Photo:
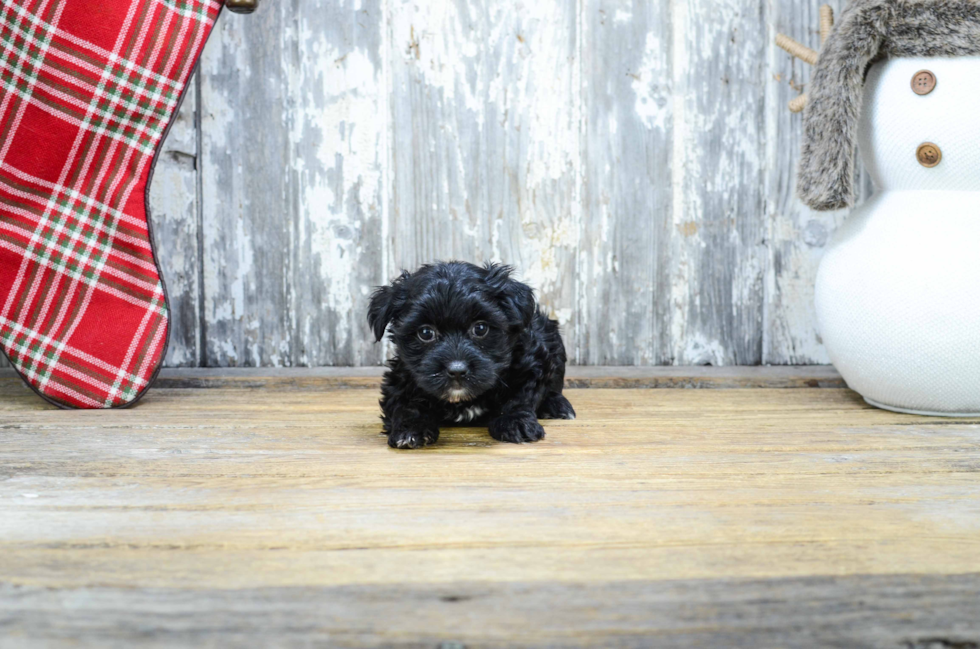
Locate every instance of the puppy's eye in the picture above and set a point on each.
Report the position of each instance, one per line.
(427, 334)
(479, 330)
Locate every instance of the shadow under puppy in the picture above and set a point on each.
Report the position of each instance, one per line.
(471, 348)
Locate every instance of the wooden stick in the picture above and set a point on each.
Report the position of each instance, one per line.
(826, 22)
(797, 49)
(798, 104)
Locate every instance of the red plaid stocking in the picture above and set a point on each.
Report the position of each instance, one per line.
(87, 91)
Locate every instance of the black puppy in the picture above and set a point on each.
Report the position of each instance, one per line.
(471, 348)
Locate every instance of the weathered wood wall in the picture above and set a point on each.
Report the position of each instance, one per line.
(634, 159)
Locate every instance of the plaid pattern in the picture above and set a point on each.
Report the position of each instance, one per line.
(87, 90)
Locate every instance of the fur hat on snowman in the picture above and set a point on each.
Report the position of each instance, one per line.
(868, 31)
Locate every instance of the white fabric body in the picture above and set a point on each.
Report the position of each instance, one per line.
(898, 292)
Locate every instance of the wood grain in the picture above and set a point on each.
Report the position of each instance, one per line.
(902, 611)
(238, 515)
(661, 484)
(623, 272)
(246, 209)
(718, 247)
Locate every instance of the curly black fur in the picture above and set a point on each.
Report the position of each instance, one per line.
(493, 358)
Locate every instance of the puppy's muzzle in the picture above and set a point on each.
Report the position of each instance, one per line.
(458, 371)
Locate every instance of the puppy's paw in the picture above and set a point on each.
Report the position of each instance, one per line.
(411, 438)
(516, 429)
(556, 406)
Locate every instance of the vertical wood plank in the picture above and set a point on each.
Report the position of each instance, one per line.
(245, 196)
(174, 219)
(337, 122)
(719, 255)
(798, 235)
(485, 145)
(624, 290)
(293, 135)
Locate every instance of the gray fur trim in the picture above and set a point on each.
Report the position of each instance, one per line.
(869, 30)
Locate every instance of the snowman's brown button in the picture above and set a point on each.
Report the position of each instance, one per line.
(929, 155)
(923, 82)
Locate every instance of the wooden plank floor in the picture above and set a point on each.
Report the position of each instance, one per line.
(277, 516)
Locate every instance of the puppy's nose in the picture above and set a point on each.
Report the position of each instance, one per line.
(457, 370)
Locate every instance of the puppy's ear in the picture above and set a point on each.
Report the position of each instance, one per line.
(517, 299)
(386, 303)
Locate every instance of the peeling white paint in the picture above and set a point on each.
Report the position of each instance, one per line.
(653, 93)
(698, 350)
(339, 106)
(622, 16)
(490, 131)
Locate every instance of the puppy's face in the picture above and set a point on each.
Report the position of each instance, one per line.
(454, 325)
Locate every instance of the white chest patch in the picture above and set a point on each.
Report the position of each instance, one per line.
(469, 414)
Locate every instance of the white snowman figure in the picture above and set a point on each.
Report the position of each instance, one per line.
(898, 291)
